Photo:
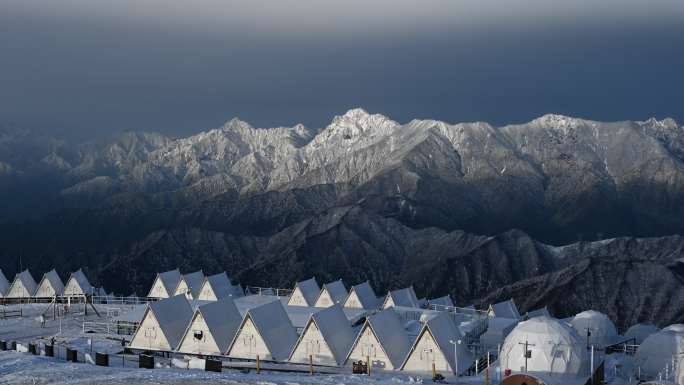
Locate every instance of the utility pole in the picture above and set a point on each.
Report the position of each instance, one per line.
(527, 353)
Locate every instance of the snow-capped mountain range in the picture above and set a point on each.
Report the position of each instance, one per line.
(263, 194)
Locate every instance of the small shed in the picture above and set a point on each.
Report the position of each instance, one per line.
(326, 339)
(383, 340)
(305, 293)
(216, 287)
(441, 301)
(78, 285)
(434, 347)
(362, 296)
(332, 293)
(4, 284)
(50, 286)
(405, 297)
(165, 284)
(265, 331)
(505, 309)
(595, 328)
(163, 324)
(212, 328)
(190, 285)
(24, 286)
(640, 332)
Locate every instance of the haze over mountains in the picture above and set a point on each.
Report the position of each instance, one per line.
(468, 207)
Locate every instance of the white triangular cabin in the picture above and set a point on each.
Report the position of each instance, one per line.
(326, 339)
(4, 284)
(361, 296)
(190, 285)
(216, 287)
(165, 284)
(405, 297)
(212, 328)
(266, 331)
(163, 324)
(78, 285)
(23, 286)
(434, 347)
(332, 293)
(382, 340)
(50, 286)
(305, 293)
(505, 309)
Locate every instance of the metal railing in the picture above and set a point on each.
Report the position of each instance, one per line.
(112, 328)
(256, 290)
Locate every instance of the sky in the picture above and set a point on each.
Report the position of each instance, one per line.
(90, 68)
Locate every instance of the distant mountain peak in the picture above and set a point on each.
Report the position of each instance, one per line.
(558, 121)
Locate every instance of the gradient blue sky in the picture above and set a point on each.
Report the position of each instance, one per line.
(87, 68)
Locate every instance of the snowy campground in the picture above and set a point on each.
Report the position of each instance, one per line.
(24, 368)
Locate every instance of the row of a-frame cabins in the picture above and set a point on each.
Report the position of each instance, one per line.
(51, 285)
(329, 337)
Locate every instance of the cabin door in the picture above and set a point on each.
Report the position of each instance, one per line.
(150, 335)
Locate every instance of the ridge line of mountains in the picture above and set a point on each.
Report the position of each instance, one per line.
(559, 211)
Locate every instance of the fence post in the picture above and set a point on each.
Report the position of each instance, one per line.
(258, 365)
(311, 372)
(368, 365)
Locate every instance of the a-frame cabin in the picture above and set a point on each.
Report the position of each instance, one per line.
(50, 286)
(212, 328)
(361, 296)
(165, 284)
(382, 340)
(326, 339)
(305, 293)
(332, 293)
(163, 324)
(190, 285)
(23, 286)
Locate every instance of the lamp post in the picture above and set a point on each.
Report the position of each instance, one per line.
(455, 343)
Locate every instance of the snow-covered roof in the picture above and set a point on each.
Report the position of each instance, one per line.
(51, 278)
(595, 327)
(505, 309)
(220, 285)
(4, 284)
(393, 339)
(25, 280)
(538, 312)
(173, 315)
(223, 320)
(657, 351)
(555, 348)
(365, 294)
(238, 291)
(169, 279)
(403, 297)
(641, 331)
(194, 281)
(81, 281)
(309, 289)
(497, 330)
(335, 329)
(336, 290)
(441, 301)
(274, 327)
(443, 330)
(679, 328)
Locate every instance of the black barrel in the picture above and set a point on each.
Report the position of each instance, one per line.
(49, 350)
(33, 349)
(13, 345)
(212, 365)
(3, 345)
(101, 359)
(71, 355)
(145, 361)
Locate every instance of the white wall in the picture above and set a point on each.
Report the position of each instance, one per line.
(312, 343)
(368, 345)
(158, 290)
(353, 301)
(72, 288)
(389, 302)
(207, 293)
(207, 345)
(45, 290)
(183, 289)
(324, 300)
(425, 353)
(297, 299)
(249, 343)
(149, 335)
(18, 291)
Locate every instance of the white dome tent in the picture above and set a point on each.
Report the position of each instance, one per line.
(595, 328)
(555, 348)
(657, 351)
(641, 331)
